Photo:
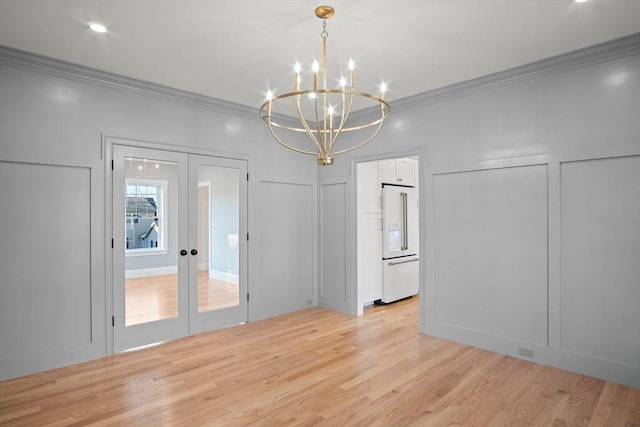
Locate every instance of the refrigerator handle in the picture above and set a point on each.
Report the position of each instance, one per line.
(404, 261)
(405, 242)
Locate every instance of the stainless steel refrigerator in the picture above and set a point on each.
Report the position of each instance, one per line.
(400, 262)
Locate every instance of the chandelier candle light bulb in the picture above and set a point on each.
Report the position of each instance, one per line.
(322, 123)
(296, 81)
(352, 72)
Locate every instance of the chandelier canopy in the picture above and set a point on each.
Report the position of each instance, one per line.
(323, 112)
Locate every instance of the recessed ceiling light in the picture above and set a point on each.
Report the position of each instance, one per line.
(581, 1)
(98, 28)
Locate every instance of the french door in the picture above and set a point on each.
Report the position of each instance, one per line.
(179, 259)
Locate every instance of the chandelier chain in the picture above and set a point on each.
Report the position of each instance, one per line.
(324, 33)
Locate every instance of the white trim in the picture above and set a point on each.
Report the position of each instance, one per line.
(147, 272)
(600, 53)
(603, 52)
(54, 67)
(163, 215)
(224, 276)
(130, 253)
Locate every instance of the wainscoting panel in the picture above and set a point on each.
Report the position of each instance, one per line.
(46, 215)
(287, 221)
(333, 265)
(600, 258)
(47, 306)
(490, 245)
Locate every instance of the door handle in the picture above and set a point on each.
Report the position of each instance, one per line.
(183, 252)
(194, 252)
(405, 261)
(405, 238)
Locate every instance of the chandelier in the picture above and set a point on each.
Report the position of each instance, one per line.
(322, 112)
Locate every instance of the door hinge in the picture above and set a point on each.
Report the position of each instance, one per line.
(113, 321)
(112, 165)
(247, 297)
(111, 243)
(247, 237)
(247, 176)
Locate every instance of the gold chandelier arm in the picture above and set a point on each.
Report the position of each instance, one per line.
(380, 121)
(323, 136)
(288, 146)
(385, 107)
(343, 119)
(270, 125)
(306, 125)
(321, 153)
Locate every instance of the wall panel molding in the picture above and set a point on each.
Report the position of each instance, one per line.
(592, 323)
(490, 244)
(46, 207)
(334, 285)
(600, 249)
(287, 242)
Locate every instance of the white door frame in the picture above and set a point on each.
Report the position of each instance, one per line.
(356, 305)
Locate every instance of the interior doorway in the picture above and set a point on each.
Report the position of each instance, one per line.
(387, 237)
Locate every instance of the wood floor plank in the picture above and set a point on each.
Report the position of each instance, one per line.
(315, 367)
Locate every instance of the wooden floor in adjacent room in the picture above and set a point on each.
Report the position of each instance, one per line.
(316, 367)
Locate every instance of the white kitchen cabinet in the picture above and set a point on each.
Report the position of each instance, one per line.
(369, 257)
(369, 188)
(398, 171)
(405, 171)
(387, 170)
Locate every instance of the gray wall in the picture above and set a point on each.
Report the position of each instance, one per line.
(519, 170)
(54, 118)
(531, 195)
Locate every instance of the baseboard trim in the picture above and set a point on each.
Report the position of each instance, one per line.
(224, 276)
(146, 272)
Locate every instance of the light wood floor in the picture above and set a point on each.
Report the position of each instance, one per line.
(156, 297)
(316, 367)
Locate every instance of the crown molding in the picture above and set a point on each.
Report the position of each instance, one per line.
(600, 53)
(604, 52)
(32, 62)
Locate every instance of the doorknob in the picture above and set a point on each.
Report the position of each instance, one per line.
(183, 252)
(194, 252)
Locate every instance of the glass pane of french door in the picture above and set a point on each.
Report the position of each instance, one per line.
(151, 271)
(218, 256)
(150, 210)
(219, 201)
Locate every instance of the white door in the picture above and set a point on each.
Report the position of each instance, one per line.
(169, 210)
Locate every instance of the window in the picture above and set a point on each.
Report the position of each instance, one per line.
(145, 216)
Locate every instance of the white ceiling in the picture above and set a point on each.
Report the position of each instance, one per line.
(235, 50)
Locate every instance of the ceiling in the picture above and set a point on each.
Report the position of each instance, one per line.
(235, 50)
